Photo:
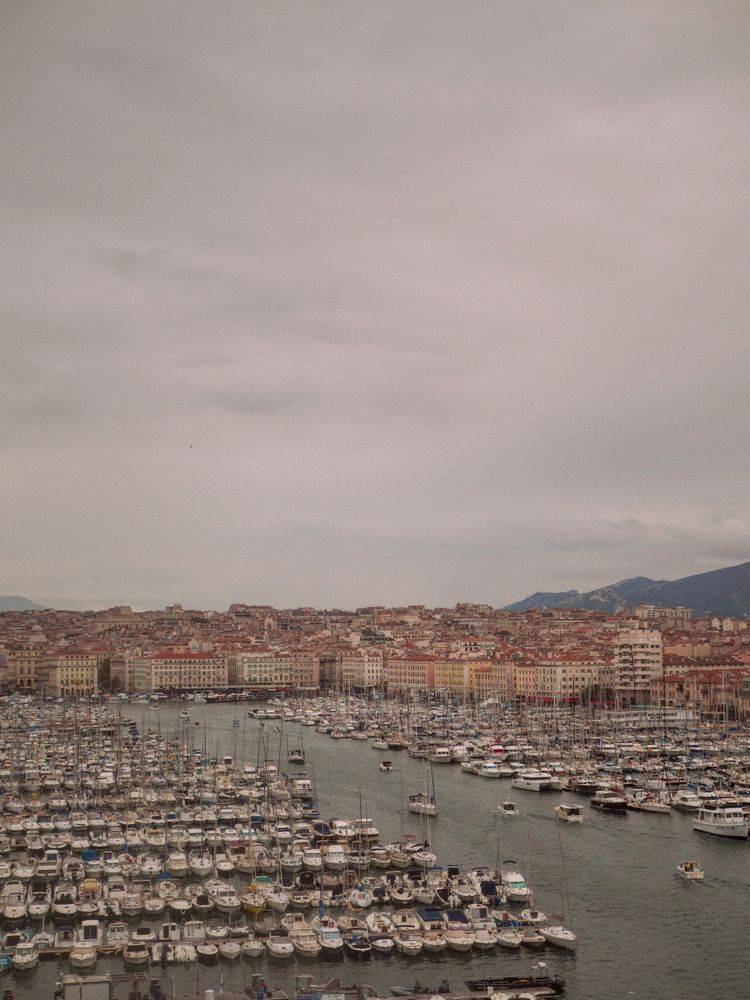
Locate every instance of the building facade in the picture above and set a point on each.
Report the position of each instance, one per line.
(638, 660)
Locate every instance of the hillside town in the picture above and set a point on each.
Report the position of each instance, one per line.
(651, 656)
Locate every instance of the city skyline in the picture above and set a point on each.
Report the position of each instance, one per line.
(383, 303)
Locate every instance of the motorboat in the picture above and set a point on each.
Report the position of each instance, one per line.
(508, 808)
(279, 946)
(304, 940)
(514, 884)
(25, 957)
(608, 800)
(686, 800)
(135, 953)
(532, 780)
(509, 937)
(532, 938)
(386, 765)
(207, 952)
(723, 819)
(459, 933)
(408, 942)
(357, 944)
(329, 936)
(569, 812)
(82, 955)
(690, 870)
(253, 947)
(489, 769)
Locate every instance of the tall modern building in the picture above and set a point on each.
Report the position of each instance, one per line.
(638, 660)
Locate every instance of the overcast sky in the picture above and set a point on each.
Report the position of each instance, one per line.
(342, 303)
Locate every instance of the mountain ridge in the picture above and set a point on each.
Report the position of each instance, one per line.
(723, 591)
(14, 602)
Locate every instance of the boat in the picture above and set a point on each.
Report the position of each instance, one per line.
(329, 936)
(538, 981)
(386, 765)
(568, 812)
(279, 946)
(253, 947)
(690, 870)
(609, 801)
(207, 952)
(686, 800)
(422, 804)
(230, 949)
(559, 936)
(135, 953)
(25, 957)
(508, 808)
(723, 819)
(418, 990)
(514, 883)
(531, 780)
(357, 944)
(509, 937)
(82, 955)
(489, 769)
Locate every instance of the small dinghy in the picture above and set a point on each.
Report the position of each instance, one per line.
(508, 808)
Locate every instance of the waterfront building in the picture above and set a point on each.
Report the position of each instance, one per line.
(305, 669)
(178, 671)
(494, 679)
(411, 672)
(718, 692)
(263, 667)
(361, 669)
(69, 674)
(23, 668)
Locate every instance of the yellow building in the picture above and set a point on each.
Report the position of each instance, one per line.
(70, 674)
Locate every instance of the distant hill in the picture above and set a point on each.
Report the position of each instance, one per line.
(721, 591)
(15, 603)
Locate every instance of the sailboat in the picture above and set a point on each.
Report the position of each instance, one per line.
(422, 803)
(296, 755)
(557, 934)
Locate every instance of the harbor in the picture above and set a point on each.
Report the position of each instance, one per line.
(189, 848)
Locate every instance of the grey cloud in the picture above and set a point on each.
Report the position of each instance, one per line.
(445, 298)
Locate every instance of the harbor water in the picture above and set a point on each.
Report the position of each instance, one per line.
(642, 931)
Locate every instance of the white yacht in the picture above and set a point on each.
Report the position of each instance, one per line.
(724, 819)
(515, 885)
(489, 769)
(440, 755)
(686, 801)
(532, 780)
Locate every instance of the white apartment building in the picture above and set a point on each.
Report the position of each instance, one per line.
(638, 659)
(654, 612)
